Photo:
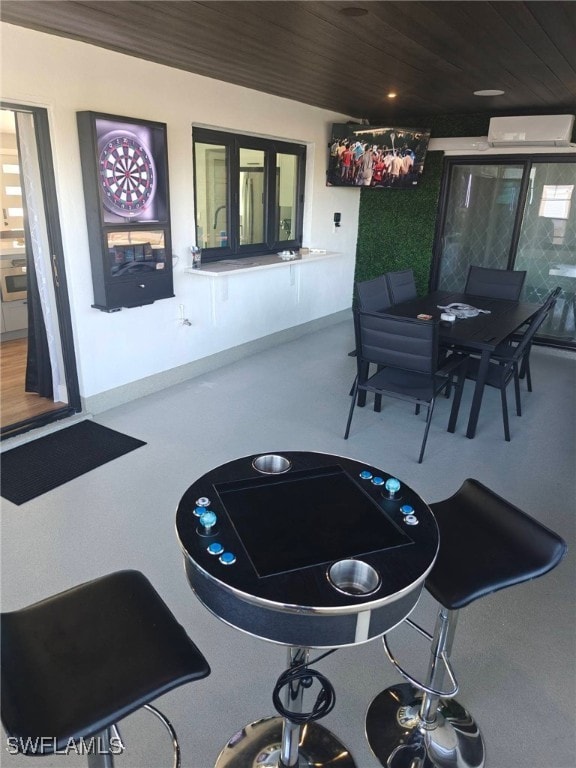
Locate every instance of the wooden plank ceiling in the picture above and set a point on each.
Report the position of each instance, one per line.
(343, 56)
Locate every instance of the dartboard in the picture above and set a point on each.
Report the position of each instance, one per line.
(127, 174)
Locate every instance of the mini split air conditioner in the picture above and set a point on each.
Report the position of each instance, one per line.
(533, 130)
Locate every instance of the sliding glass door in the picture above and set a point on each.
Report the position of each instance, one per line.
(479, 222)
(512, 213)
(547, 244)
(39, 382)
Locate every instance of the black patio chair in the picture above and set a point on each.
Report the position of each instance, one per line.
(504, 350)
(504, 367)
(373, 295)
(548, 307)
(405, 351)
(401, 285)
(495, 283)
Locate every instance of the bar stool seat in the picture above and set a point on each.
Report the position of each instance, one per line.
(486, 544)
(76, 663)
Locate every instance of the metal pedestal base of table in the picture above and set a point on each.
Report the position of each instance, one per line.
(259, 745)
(283, 742)
(400, 739)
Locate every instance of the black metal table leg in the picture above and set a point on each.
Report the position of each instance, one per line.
(478, 393)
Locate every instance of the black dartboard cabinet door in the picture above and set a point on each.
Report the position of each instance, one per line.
(125, 176)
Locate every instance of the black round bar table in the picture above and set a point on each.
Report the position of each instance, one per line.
(310, 551)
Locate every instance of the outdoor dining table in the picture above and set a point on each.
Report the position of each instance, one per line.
(480, 334)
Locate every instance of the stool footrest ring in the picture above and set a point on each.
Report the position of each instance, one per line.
(169, 727)
(434, 691)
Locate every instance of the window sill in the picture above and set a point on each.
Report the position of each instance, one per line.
(251, 264)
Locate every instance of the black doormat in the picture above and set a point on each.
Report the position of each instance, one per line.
(42, 465)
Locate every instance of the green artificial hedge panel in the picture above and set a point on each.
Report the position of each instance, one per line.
(396, 227)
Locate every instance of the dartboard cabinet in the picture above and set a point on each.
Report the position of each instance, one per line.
(125, 178)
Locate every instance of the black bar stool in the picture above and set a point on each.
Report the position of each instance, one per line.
(486, 544)
(75, 664)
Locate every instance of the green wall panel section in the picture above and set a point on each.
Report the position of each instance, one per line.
(396, 226)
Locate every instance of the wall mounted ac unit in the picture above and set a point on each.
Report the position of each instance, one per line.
(532, 130)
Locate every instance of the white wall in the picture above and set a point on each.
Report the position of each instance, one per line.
(112, 350)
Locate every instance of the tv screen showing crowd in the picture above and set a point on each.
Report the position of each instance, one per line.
(377, 157)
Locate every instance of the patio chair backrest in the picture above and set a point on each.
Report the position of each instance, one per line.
(398, 342)
(402, 285)
(495, 283)
(373, 294)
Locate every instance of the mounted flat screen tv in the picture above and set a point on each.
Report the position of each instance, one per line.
(377, 157)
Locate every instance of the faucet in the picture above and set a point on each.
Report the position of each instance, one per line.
(221, 207)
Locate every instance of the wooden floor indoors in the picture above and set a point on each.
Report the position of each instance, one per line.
(16, 404)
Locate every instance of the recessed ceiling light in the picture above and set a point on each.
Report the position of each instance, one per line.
(489, 92)
(392, 95)
(353, 10)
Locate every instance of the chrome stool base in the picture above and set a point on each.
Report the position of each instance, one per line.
(101, 755)
(400, 739)
(259, 745)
